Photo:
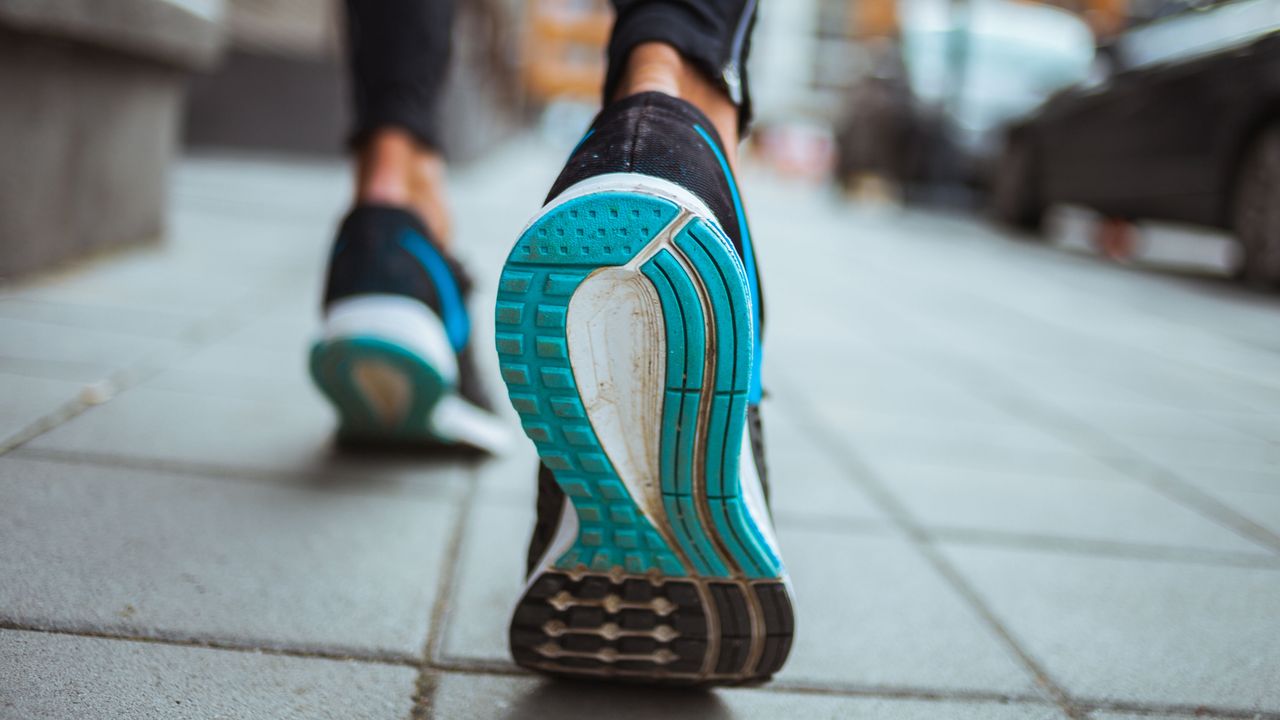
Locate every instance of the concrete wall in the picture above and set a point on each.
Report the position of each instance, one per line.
(92, 96)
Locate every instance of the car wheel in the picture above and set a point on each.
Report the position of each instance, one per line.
(1015, 194)
(1257, 209)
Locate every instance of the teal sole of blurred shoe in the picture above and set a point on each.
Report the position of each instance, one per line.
(624, 333)
(381, 391)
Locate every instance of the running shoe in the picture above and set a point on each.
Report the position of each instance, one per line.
(394, 355)
(628, 333)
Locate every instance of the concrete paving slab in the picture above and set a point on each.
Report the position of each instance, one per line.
(286, 329)
(242, 371)
(161, 555)
(287, 433)
(146, 322)
(984, 457)
(488, 582)
(1262, 508)
(1148, 632)
(511, 478)
(1246, 454)
(872, 612)
(1214, 479)
(861, 606)
(52, 677)
(1077, 508)
(70, 353)
(1096, 715)
(481, 697)
(158, 277)
(28, 399)
(806, 480)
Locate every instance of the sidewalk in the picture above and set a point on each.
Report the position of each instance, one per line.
(1010, 482)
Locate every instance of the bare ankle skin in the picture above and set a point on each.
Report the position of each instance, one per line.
(657, 67)
(392, 168)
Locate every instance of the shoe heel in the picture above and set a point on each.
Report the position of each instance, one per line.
(384, 363)
(624, 335)
(675, 631)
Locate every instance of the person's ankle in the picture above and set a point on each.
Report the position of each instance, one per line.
(393, 168)
(658, 67)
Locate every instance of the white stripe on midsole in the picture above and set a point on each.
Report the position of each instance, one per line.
(396, 319)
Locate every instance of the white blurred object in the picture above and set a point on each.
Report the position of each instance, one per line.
(564, 121)
(797, 148)
(991, 63)
(1190, 34)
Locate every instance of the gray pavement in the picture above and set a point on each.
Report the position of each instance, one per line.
(1011, 481)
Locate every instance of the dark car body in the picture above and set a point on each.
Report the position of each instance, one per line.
(1164, 134)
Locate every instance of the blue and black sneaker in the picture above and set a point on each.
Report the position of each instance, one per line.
(394, 355)
(628, 333)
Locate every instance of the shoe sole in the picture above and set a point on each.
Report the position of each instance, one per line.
(384, 364)
(673, 574)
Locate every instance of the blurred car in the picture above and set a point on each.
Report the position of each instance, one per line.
(932, 109)
(1181, 122)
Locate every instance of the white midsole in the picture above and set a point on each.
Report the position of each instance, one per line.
(458, 420)
(397, 319)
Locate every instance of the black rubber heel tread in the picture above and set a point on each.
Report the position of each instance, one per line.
(652, 630)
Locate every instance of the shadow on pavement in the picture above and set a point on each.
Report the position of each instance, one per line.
(566, 698)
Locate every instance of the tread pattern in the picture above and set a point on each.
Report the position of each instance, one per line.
(545, 268)
(725, 283)
(675, 631)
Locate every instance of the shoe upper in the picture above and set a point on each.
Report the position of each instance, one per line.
(665, 137)
(385, 250)
(661, 136)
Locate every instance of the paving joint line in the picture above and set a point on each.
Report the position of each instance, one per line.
(321, 481)
(189, 340)
(1099, 444)
(495, 668)
(215, 644)
(867, 480)
(1133, 463)
(1164, 710)
(1102, 548)
(425, 687)
(490, 668)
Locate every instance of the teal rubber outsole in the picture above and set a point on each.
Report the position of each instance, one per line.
(707, 531)
(332, 365)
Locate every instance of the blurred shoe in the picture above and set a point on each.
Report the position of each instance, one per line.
(393, 355)
(628, 335)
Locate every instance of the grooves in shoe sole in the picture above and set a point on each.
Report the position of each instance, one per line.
(674, 631)
(382, 391)
(705, 563)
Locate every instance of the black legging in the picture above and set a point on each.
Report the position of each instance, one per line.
(399, 52)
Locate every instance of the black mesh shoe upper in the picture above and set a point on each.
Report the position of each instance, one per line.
(389, 251)
(657, 135)
(372, 255)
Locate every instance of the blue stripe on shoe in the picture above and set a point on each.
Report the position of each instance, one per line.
(749, 260)
(453, 310)
(581, 142)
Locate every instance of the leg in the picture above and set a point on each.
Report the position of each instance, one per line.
(394, 355)
(398, 52)
(691, 49)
